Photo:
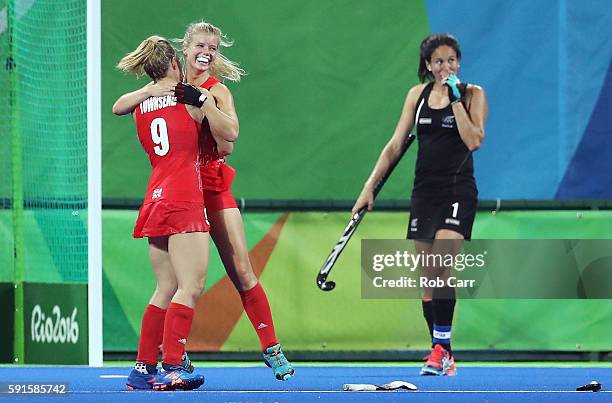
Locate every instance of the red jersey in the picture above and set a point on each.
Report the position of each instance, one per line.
(170, 137)
(209, 146)
(216, 175)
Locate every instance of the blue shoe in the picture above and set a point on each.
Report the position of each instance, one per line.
(186, 363)
(140, 378)
(275, 359)
(177, 377)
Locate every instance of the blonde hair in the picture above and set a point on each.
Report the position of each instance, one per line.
(152, 56)
(221, 66)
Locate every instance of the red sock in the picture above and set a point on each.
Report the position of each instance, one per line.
(176, 329)
(256, 305)
(151, 334)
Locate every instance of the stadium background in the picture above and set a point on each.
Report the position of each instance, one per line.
(325, 87)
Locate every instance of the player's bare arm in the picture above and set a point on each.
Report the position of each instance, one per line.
(470, 122)
(392, 149)
(221, 114)
(128, 102)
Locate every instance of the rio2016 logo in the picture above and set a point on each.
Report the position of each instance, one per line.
(54, 328)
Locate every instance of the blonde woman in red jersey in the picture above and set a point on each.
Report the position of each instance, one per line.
(171, 217)
(205, 68)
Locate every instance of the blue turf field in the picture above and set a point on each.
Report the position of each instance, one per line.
(324, 383)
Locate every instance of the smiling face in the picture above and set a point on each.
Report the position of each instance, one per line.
(201, 51)
(443, 62)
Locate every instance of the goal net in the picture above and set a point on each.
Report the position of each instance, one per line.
(44, 185)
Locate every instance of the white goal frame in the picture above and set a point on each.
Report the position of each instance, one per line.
(94, 184)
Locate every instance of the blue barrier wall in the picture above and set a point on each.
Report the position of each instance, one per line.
(543, 65)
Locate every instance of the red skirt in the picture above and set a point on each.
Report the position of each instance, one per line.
(170, 217)
(217, 201)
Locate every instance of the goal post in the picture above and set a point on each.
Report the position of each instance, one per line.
(94, 182)
(50, 191)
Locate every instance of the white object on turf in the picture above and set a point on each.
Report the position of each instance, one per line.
(359, 387)
(366, 387)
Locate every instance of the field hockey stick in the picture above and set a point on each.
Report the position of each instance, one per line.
(354, 222)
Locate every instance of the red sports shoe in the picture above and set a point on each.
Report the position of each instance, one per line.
(439, 362)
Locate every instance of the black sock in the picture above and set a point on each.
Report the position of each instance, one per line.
(428, 314)
(443, 310)
(167, 367)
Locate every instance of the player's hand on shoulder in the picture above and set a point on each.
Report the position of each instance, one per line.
(190, 95)
(160, 90)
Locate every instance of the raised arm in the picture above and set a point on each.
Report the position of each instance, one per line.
(221, 114)
(470, 121)
(218, 107)
(128, 102)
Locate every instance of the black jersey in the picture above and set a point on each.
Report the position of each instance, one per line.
(444, 164)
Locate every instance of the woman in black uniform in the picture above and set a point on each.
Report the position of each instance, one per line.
(450, 118)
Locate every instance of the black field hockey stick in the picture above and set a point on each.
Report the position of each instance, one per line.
(354, 222)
